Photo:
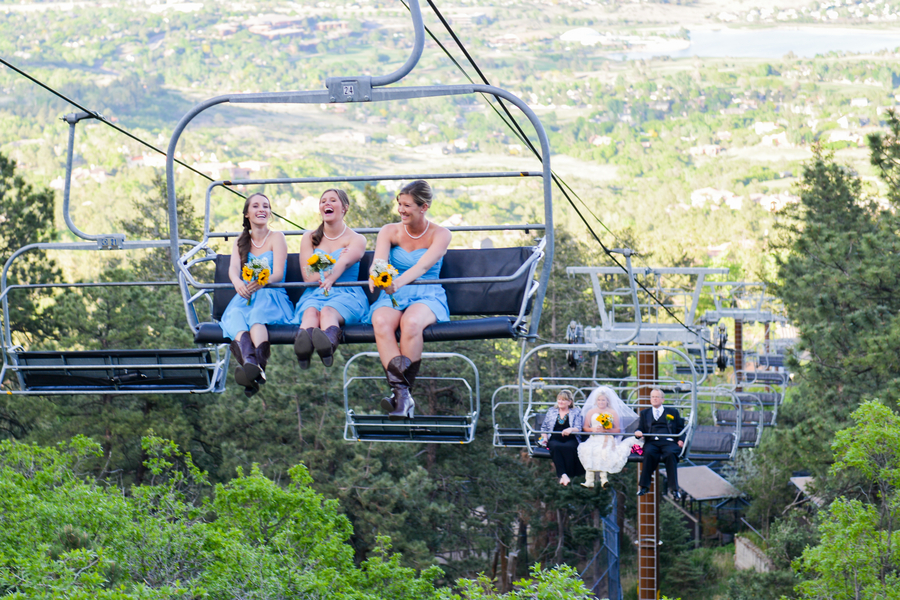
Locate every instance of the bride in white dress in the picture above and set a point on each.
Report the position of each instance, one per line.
(605, 412)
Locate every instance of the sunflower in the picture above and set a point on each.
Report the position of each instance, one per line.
(263, 277)
(247, 273)
(384, 280)
(312, 259)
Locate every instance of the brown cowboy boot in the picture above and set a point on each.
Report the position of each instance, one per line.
(247, 376)
(389, 404)
(263, 352)
(326, 342)
(303, 347)
(404, 405)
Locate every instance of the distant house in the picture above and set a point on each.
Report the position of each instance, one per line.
(273, 26)
(761, 127)
(776, 139)
(600, 140)
(838, 135)
(714, 197)
(774, 202)
(706, 150)
(859, 102)
(468, 18)
(332, 26)
(147, 160)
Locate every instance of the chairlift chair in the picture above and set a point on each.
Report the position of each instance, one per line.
(499, 286)
(107, 371)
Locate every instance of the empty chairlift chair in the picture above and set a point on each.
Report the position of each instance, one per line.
(711, 440)
(103, 371)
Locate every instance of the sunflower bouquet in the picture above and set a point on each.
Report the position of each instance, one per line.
(258, 269)
(382, 275)
(605, 420)
(320, 263)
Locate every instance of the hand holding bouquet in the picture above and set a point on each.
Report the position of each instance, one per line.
(382, 275)
(256, 269)
(320, 263)
(605, 420)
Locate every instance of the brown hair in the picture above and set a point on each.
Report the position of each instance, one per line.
(319, 233)
(243, 241)
(419, 190)
(568, 396)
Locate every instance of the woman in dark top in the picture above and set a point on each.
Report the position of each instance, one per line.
(558, 428)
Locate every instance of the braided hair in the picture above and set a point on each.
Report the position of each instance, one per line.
(243, 241)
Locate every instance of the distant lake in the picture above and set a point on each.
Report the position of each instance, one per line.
(775, 43)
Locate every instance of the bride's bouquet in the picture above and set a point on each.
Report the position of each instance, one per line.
(258, 269)
(320, 263)
(382, 275)
(604, 420)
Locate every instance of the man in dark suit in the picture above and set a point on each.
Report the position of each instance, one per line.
(660, 426)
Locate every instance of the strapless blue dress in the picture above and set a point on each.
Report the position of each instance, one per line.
(350, 302)
(432, 296)
(269, 306)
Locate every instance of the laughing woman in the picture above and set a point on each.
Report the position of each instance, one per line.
(255, 306)
(415, 247)
(322, 311)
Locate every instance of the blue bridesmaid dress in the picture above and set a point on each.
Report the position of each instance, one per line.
(269, 306)
(432, 296)
(350, 302)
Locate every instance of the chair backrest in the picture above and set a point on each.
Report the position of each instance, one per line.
(465, 299)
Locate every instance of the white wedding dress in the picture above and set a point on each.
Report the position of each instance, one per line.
(606, 452)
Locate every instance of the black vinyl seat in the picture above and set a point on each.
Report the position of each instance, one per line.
(764, 377)
(764, 398)
(749, 417)
(431, 428)
(770, 360)
(503, 301)
(119, 371)
(710, 442)
(683, 369)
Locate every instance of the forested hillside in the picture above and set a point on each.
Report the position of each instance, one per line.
(783, 169)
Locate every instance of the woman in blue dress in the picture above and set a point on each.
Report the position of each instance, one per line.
(415, 247)
(322, 311)
(255, 306)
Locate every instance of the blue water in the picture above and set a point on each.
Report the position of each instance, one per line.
(775, 43)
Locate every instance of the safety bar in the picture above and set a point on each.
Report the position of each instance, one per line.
(4, 287)
(536, 255)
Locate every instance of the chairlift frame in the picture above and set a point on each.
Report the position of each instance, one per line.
(370, 89)
(430, 429)
(118, 372)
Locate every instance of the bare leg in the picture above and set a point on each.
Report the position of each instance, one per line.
(385, 322)
(329, 317)
(414, 321)
(259, 334)
(310, 318)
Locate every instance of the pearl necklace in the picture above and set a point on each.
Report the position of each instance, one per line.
(337, 236)
(415, 237)
(262, 243)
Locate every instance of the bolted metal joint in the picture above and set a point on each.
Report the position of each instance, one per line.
(349, 89)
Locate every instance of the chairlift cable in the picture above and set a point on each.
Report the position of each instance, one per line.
(508, 119)
(103, 120)
(559, 182)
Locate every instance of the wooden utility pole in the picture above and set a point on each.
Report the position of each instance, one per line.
(738, 353)
(648, 504)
